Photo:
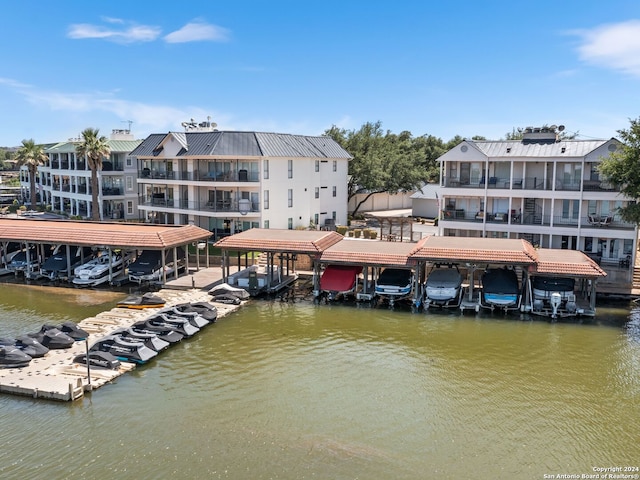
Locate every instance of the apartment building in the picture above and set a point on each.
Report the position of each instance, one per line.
(64, 181)
(230, 181)
(541, 188)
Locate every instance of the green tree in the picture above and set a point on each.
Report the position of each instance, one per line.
(94, 147)
(622, 168)
(386, 162)
(31, 156)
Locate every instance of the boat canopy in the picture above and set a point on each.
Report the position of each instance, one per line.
(339, 278)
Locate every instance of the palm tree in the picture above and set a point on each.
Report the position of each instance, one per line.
(31, 155)
(94, 147)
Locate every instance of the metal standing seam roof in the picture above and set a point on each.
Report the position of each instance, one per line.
(554, 262)
(275, 240)
(120, 146)
(573, 148)
(127, 235)
(373, 253)
(245, 144)
(478, 250)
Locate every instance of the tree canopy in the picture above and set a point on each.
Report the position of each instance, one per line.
(387, 162)
(622, 168)
(94, 147)
(31, 156)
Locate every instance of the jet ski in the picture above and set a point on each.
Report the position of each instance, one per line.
(124, 350)
(151, 340)
(28, 345)
(99, 359)
(164, 332)
(148, 300)
(179, 324)
(73, 330)
(208, 311)
(194, 318)
(13, 357)
(51, 337)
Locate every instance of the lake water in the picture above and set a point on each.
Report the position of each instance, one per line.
(294, 390)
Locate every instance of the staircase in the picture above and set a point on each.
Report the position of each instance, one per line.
(636, 277)
(532, 213)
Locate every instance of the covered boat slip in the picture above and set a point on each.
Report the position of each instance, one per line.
(374, 257)
(282, 248)
(110, 236)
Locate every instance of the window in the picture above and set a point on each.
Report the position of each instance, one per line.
(290, 168)
(335, 165)
(290, 197)
(317, 165)
(129, 161)
(335, 191)
(266, 224)
(129, 180)
(317, 192)
(316, 219)
(266, 169)
(333, 215)
(129, 207)
(290, 223)
(266, 200)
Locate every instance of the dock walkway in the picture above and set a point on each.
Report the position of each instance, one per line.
(56, 377)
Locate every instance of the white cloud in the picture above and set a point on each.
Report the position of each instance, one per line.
(197, 31)
(615, 46)
(128, 34)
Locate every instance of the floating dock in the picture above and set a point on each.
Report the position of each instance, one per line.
(56, 377)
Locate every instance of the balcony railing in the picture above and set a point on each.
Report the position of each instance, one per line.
(201, 176)
(233, 206)
(530, 183)
(460, 215)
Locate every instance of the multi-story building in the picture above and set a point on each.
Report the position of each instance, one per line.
(65, 179)
(227, 181)
(541, 188)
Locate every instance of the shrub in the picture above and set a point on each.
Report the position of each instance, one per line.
(350, 233)
(357, 233)
(341, 229)
(366, 233)
(373, 234)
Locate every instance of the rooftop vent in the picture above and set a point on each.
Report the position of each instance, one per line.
(544, 134)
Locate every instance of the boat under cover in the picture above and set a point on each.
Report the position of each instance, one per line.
(57, 265)
(99, 359)
(225, 293)
(28, 345)
(500, 287)
(395, 282)
(52, 338)
(167, 333)
(96, 271)
(13, 357)
(544, 286)
(148, 300)
(124, 350)
(443, 287)
(339, 279)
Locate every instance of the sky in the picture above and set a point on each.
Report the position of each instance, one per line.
(431, 68)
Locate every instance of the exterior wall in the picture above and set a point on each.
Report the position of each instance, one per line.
(425, 207)
(381, 201)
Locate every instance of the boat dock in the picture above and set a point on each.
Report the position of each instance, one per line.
(56, 377)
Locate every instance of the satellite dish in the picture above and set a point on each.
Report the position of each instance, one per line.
(561, 128)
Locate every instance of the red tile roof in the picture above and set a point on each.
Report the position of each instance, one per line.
(128, 235)
(371, 252)
(478, 250)
(274, 240)
(571, 263)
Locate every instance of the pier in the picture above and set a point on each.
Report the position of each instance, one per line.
(56, 377)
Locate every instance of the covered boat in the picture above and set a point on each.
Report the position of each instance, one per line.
(28, 345)
(500, 288)
(394, 284)
(194, 318)
(52, 338)
(60, 265)
(225, 293)
(107, 266)
(124, 350)
(167, 333)
(13, 357)
(73, 330)
(205, 309)
(151, 340)
(99, 359)
(148, 300)
(25, 261)
(179, 324)
(443, 288)
(148, 266)
(339, 280)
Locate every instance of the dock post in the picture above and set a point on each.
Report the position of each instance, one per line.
(86, 347)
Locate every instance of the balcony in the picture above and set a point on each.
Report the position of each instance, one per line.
(243, 206)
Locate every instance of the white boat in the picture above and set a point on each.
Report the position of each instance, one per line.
(103, 268)
(443, 288)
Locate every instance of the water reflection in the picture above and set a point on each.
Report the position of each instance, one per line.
(298, 390)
